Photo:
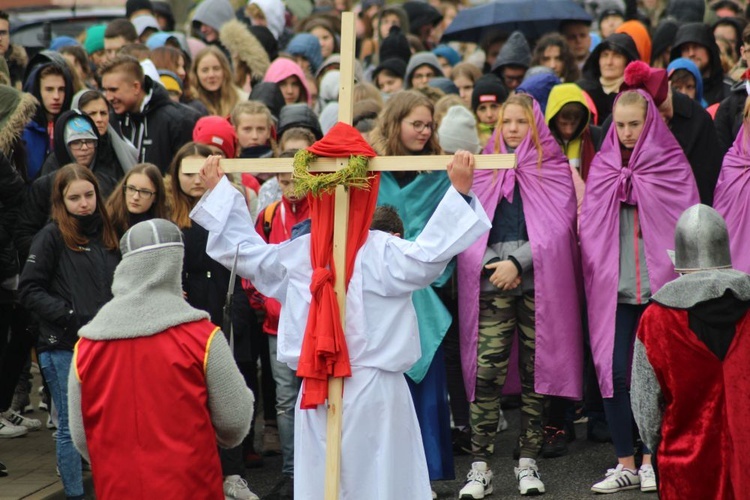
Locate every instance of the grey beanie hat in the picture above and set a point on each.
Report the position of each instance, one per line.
(150, 235)
(515, 52)
(214, 13)
(458, 130)
(422, 59)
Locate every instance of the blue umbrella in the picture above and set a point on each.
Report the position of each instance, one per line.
(533, 18)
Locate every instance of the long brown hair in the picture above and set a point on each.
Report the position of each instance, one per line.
(69, 225)
(181, 204)
(168, 58)
(117, 205)
(386, 138)
(222, 101)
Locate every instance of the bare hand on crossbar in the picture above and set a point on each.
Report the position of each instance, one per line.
(461, 171)
(211, 173)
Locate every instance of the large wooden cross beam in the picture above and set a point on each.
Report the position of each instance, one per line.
(382, 163)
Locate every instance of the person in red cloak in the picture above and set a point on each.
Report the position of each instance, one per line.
(691, 367)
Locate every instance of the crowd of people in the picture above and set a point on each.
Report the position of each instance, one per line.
(618, 126)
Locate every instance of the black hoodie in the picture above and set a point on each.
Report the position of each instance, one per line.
(36, 209)
(714, 88)
(621, 43)
(160, 129)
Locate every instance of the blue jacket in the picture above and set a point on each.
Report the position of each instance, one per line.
(37, 141)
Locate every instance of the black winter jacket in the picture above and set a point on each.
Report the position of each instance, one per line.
(161, 129)
(621, 43)
(714, 88)
(729, 116)
(63, 288)
(35, 212)
(105, 161)
(694, 130)
(12, 190)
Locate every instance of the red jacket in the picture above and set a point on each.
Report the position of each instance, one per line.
(285, 216)
(704, 428)
(147, 421)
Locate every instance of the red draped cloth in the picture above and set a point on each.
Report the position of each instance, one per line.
(324, 353)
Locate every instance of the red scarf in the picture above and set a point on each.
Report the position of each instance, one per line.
(324, 353)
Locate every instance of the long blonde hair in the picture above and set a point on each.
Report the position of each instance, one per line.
(222, 101)
(527, 104)
(181, 203)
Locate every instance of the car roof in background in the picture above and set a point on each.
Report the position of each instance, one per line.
(28, 24)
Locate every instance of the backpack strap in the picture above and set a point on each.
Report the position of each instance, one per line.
(268, 214)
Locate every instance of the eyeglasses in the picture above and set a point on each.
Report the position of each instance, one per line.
(144, 193)
(80, 143)
(419, 126)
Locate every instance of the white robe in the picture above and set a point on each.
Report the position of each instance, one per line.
(382, 456)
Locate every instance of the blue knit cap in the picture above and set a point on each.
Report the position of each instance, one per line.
(307, 46)
(448, 52)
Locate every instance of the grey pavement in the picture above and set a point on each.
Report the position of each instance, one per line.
(31, 464)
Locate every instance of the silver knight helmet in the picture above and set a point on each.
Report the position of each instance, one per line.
(150, 235)
(701, 241)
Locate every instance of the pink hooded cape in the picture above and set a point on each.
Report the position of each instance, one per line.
(732, 198)
(281, 69)
(549, 206)
(660, 183)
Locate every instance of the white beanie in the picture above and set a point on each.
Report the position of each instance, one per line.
(458, 130)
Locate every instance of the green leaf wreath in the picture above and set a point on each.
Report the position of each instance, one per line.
(354, 175)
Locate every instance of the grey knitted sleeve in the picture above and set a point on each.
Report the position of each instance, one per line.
(229, 400)
(646, 398)
(75, 416)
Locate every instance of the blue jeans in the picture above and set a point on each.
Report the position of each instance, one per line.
(617, 408)
(287, 388)
(56, 366)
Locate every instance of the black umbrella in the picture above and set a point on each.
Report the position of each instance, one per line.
(533, 18)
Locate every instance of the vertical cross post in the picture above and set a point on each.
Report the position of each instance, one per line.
(341, 224)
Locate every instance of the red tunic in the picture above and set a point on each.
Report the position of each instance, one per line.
(704, 431)
(145, 412)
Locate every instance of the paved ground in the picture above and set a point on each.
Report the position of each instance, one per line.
(31, 462)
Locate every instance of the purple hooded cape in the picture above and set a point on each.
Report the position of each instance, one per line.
(732, 199)
(660, 183)
(549, 205)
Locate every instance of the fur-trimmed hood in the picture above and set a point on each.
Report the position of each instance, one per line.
(16, 109)
(243, 45)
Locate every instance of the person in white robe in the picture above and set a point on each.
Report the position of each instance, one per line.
(381, 447)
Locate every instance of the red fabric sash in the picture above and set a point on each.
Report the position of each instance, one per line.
(324, 353)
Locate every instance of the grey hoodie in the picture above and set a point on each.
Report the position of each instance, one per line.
(422, 59)
(214, 13)
(515, 52)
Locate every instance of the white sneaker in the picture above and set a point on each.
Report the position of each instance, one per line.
(235, 488)
(50, 423)
(14, 418)
(529, 481)
(502, 424)
(478, 482)
(648, 478)
(617, 479)
(8, 430)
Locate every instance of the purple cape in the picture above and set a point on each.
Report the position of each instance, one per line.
(549, 205)
(659, 181)
(732, 198)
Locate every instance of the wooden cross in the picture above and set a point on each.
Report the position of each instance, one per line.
(381, 163)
